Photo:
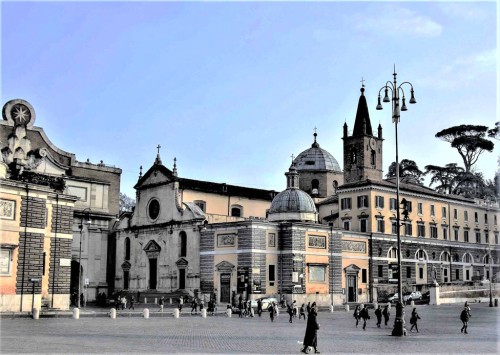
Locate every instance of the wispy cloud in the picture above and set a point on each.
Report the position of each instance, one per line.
(462, 70)
(397, 20)
(468, 10)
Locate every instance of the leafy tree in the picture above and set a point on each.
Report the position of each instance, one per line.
(468, 140)
(407, 169)
(446, 177)
(495, 132)
(127, 204)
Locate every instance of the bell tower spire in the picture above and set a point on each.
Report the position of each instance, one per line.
(362, 150)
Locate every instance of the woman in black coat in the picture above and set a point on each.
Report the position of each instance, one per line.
(414, 319)
(311, 336)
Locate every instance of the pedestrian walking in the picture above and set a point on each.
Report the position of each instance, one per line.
(124, 302)
(249, 308)
(302, 311)
(464, 317)
(272, 311)
(289, 310)
(132, 300)
(386, 313)
(202, 304)
(194, 306)
(181, 303)
(161, 303)
(259, 307)
(312, 327)
(356, 315)
(413, 320)
(364, 314)
(308, 308)
(378, 314)
(295, 309)
(240, 307)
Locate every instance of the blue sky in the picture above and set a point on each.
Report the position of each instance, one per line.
(233, 89)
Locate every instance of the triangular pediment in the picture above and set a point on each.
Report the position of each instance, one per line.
(158, 174)
(126, 265)
(224, 266)
(181, 262)
(152, 246)
(352, 268)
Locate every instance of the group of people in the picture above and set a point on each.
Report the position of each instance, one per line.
(361, 312)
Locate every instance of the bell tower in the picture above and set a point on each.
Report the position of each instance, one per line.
(362, 149)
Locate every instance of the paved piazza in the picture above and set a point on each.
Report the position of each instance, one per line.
(130, 333)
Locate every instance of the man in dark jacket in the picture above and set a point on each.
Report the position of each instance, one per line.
(386, 314)
(378, 313)
(311, 336)
(364, 314)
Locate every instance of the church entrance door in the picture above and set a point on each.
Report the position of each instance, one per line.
(182, 279)
(152, 273)
(225, 288)
(351, 288)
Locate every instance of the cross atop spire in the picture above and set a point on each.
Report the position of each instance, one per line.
(158, 159)
(315, 144)
(362, 82)
(293, 157)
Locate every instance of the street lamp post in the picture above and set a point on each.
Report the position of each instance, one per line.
(491, 278)
(396, 91)
(86, 213)
(331, 255)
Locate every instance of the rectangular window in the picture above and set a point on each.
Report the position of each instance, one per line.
(394, 228)
(445, 233)
(380, 225)
(478, 237)
(486, 237)
(379, 201)
(347, 225)
(455, 232)
(393, 204)
(433, 212)
(496, 237)
(363, 201)
(201, 204)
(408, 229)
(476, 218)
(433, 231)
(466, 236)
(345, 203)
(421, 230)
(5, 257)
(443, 212)
(467, 275)
(363, 276)
(421, 272)
(317, 273)
(420, 208)
(381, 271)
(363, 225)
(457, 275)
(455, 213)
(272, 274)
(271, 240)
(408, 272)
(409, 205)
(495, 219)
(466, 216)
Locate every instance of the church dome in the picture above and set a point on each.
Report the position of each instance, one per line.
(292, 204)
(316, 158)
(292, 200)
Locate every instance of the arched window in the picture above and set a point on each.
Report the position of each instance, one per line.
(236, 211)
(421, 255)
(127, 248)
(372, 157)
(467, 258)
(486, 259)
(182, 244)
(393, 253)
(315, 184)
(445, 257)
(335, 186)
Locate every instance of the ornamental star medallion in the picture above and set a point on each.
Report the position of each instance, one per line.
(21, 114)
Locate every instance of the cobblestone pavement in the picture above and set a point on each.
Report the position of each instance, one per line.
(439, 333)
